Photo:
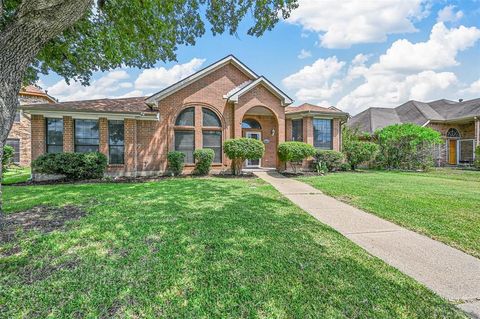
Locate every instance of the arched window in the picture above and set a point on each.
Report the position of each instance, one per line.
(251, 123)
(453, 132)
(186, 117)
(210, 130)
(210, 118)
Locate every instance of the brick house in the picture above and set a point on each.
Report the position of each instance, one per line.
(222, 101)
(19, 136)
(457, 122)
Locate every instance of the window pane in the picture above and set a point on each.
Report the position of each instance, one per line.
(54, 138)
(15, 143)
(322, 134)
(213, 140)
(86, 136)
(297, 130)
(210, 118)
(185, 143)
(116, 142)
(186, 117)
(250, 123)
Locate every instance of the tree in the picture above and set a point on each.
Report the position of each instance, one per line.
(357, 151)
(407, 146)
(77, 37)
(295, 152)
(241, 149)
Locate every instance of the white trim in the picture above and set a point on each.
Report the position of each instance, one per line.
(426, 123)
(261, 80)
(260, 139)
(94, 115)
(192, 78)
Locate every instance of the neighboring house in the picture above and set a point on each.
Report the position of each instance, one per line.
(458, 122)
(19, 136)
(222, 101)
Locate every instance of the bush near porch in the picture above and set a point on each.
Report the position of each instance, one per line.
(195, 248)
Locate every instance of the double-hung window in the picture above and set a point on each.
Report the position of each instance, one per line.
(54, 135)
(86, 136)
(116, 142)
(322, 134)
(297, 130)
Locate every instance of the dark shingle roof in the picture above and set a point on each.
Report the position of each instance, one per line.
(122, 105)
(415, 112)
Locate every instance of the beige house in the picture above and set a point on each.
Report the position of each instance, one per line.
(222, 101)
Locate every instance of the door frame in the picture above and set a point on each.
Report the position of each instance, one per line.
(259, 133)
(449, 151)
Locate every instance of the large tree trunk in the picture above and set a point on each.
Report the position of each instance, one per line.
(36, 22)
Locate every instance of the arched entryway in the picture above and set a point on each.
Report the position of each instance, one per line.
(261, 123)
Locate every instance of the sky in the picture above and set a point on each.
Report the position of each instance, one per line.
(352, 54)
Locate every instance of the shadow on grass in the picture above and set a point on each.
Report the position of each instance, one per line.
(199, 248)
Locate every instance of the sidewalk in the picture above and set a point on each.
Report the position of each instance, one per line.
(449, 272)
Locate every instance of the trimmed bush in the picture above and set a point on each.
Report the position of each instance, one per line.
(241, 149)
(7, 158)
(176, 162)
(355, 150)
(295, 152)
(75, 166)
(332, 159)
(345, 167)
(203, 160)
(477, 157)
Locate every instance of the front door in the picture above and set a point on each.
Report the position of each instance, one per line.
(257, 136)
(452, 153)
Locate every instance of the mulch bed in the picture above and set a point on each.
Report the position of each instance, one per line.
(44, 219)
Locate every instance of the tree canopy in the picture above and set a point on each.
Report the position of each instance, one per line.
(136, 33)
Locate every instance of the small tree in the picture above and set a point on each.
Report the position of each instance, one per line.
(407, 146)
(241, 149)
(203, 160)
(176, 161)
(295, 153)
(357, 151)
(7, 158)
(477, 157)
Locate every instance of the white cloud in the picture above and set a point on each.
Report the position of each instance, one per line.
(105, 86)
(158, 78)
(448, 14)
(314, 82)
(304, 54)
(343, 23)
(473, 90)
(438, 52)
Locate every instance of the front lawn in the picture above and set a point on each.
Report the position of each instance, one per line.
(443, 204)
(16, 175)
(195, 248)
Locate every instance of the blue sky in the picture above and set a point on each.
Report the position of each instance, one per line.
(351, 54)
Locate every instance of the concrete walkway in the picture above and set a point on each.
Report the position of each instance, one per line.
(449, 272)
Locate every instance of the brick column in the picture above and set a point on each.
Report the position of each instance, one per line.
(308, 130)
(68, 135)
(336, 135)
(288, 130)
(130, 145)
(103, 135)
(37, 136)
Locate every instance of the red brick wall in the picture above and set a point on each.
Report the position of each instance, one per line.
(103, 135)
(38, 136)
(268, 123)
(68, 134)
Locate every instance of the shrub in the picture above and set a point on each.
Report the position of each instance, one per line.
(7, 158)
(407, 146)
(203, 160)
(344, 167)
(241, 149)
(176, 161)
(75, 166)
(355, 150)
(295, 153)
(477, 157)
(332, 159)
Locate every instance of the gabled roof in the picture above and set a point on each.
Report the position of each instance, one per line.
(35, 90)
(416, 112)
(132, 105)
(311, 108)
(197, 75)
(233, 97)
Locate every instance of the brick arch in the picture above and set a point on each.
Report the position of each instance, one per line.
(197, 106)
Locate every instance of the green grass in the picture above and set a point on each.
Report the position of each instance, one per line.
(16, 175)
(443, 204)
(196, 248)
